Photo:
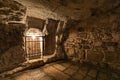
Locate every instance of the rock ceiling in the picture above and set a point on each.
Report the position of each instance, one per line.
(60, 9)
(11, 11)
(64, 9)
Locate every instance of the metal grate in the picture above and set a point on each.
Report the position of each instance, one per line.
(34, 47)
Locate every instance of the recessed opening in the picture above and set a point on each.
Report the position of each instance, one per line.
(34, 43)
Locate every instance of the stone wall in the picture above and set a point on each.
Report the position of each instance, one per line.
(11, 10)
(11, 46)
(12, 27)
(95, 40)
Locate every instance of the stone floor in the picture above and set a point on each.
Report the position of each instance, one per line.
(64, 70)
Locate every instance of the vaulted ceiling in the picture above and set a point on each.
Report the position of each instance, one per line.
(74, 9)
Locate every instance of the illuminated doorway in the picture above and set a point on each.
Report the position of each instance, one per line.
(34, 43)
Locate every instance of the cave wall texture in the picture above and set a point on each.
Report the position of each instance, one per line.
(11, 46)
(11, 34)
(11, 11)
(95, 40)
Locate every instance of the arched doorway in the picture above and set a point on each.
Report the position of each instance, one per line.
(34, 43)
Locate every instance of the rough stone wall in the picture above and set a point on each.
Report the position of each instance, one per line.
(11, 46)
(95, 40)
(11, 11)
(12, 14)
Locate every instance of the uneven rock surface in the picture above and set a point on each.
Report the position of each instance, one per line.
(11, 42)
(11, 11)
(95, 40)
(11, 34)
(73, 9)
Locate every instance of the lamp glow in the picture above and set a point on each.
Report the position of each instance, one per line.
(33, 37)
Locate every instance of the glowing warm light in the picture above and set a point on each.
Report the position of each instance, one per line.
(33, 37)
(41, 45)
(35, 44)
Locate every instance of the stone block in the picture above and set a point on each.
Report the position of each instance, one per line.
(58, 75)
(69, 71)
(83, 71)
(74, 67)
(78, 76)
(59, 67)
(47, 78)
